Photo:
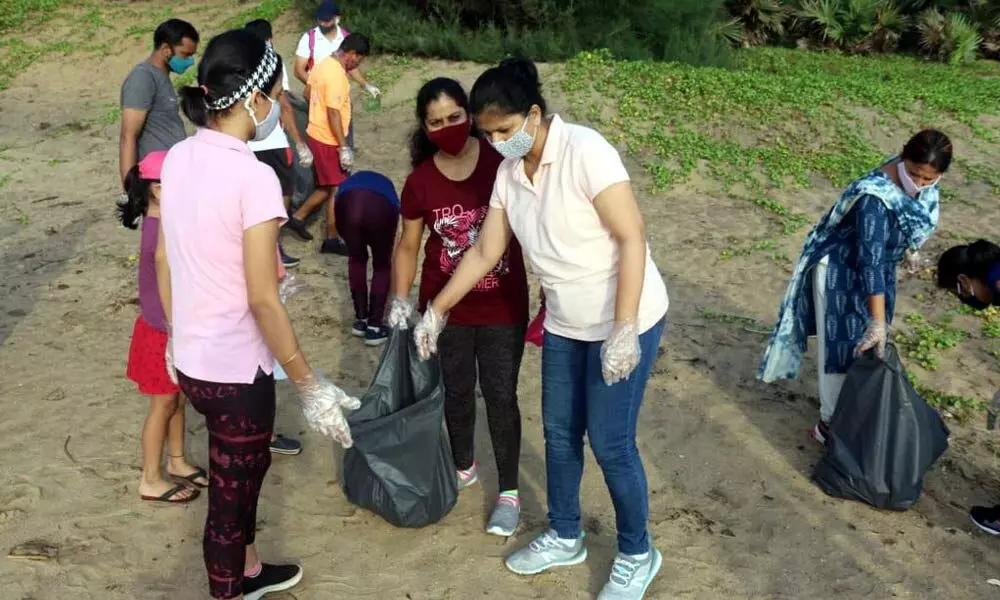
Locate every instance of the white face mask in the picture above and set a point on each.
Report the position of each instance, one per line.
(262, 129)
(517, 145)
(909, 186)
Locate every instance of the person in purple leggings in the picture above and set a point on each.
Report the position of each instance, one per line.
(367, 211)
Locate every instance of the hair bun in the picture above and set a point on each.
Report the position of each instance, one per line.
(523, 68)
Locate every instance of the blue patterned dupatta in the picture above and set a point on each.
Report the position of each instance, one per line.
(918, 217)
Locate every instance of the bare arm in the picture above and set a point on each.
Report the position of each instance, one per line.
(288, 119)
(358, 76)
(404, 260)
(337, 126)
(163, 276)
(494, 237)
(300, 69)
(261, 272)
(619, 212)
(133, 121)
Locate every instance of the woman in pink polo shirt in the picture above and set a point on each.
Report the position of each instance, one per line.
(218, 277)
(564, 193)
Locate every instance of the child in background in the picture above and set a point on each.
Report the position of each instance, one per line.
(146, 364)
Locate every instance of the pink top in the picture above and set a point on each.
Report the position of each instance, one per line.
(214, 189)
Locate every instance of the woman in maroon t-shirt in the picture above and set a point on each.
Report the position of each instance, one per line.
(449, 192)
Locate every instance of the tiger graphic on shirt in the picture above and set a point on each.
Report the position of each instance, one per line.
(459, 230)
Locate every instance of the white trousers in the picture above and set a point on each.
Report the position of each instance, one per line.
(829, 383)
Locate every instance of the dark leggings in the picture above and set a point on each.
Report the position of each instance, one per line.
(240, 419)
(497, 349)
(366, 219)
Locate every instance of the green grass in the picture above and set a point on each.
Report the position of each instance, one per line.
(926, 339)
(16, 13)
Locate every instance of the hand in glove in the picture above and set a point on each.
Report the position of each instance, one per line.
(169, 359)
(305, 156)
(323, 405)
(372, 90)
(426, 333)
(400, 311)
(875, 338)
(913, 262)
(289, 287)
(620, 353)
(346, 157)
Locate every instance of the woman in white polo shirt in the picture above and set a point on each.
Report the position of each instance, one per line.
(563, 191)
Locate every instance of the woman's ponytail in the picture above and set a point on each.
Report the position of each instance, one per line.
(194, 104)
(134, 208)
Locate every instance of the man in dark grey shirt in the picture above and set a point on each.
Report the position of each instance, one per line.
(150, 116)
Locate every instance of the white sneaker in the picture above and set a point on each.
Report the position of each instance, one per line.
(630, 577)
(547, 551)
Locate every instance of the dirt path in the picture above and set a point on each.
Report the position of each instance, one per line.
(732, 507)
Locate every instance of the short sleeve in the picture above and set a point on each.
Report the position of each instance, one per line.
(138, 90)
(334, 89)
(302, 50)
(599, 163)
(284, 79)
(497, 199)
(411, 205)
(261, 200)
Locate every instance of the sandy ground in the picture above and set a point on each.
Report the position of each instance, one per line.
(728, 461)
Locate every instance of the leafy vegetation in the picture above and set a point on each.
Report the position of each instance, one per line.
(926, 339)
(955, 31)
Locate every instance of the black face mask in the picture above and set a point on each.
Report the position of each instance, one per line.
(327, 28)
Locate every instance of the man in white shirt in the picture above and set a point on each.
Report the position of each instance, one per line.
(321, 42)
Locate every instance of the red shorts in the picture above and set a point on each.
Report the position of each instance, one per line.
(326, 163)
(147, 364)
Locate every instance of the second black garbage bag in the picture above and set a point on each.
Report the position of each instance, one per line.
(400, 466)
(883, 437)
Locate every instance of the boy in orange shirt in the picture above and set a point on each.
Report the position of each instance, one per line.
(329, 95)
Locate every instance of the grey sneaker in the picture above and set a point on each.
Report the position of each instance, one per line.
(506, 515)
(630, 577)
(467, 477)
(547, 551)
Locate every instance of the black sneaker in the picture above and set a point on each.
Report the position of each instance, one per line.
(376, 336)
(290, 262)
(299, 229)
(359, 328)
(986, 518)
(334, 246)
(272, 578)
(283, 445)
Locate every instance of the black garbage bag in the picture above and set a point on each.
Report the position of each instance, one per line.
(303, 182)
(400, 466)
(883, 437)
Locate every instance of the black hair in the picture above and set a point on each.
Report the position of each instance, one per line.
(512, 87)
(974, 260)
(137, 190)
(172, 32)
(260, 28)
(229, 60)
(358, 43)
(929, 147)
(421, 147)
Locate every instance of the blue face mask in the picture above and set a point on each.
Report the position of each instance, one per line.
(179, 64)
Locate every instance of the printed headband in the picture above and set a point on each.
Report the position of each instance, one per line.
(264, 71)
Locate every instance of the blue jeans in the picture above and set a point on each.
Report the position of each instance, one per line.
(575, 400)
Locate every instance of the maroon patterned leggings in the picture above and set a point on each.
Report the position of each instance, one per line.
(240, 419)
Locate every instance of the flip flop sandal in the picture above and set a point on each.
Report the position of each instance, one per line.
(199, 473)
(167, 496)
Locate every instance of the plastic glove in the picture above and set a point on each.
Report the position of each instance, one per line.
(305, 156)
(875, 338)
(323, 405)
(168, 357)
(913, 262)
(372, 90)
(289, 287)
(426, 333)
(346, 157)
(620, 353)
(400, 311)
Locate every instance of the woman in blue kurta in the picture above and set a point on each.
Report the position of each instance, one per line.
(843, 289)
